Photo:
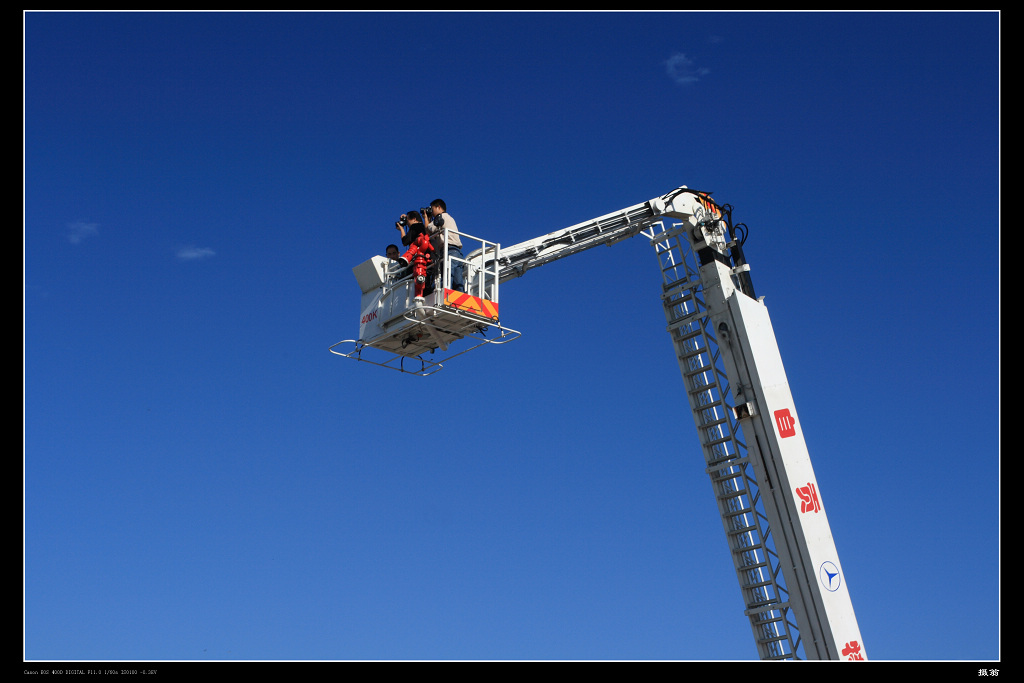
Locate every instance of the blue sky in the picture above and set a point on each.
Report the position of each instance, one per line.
(203, 480)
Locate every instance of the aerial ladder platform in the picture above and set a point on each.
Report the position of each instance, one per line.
(402, 331)
(794, 591)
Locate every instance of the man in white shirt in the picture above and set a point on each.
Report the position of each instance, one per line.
(442, 223)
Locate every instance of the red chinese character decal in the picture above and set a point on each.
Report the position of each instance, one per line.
(852, 651)
(785, 422)
(808, 498)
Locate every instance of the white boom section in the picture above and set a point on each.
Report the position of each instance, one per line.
(608, 230)
(768, 497)
(788, 490)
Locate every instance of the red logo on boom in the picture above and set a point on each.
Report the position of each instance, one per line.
(785, 422)
(808, 498)
(852, 651)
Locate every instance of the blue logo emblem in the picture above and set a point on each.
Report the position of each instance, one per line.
(828, 573)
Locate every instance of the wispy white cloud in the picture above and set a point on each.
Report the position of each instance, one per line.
(682, 70)
(195, 253)
(80, 230)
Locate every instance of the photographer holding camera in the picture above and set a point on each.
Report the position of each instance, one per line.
(409, 226)
(419, 258)
(443, 226)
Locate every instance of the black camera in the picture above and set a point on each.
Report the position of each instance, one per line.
(429, 217)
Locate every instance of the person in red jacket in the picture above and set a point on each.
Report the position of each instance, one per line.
(420, 252)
